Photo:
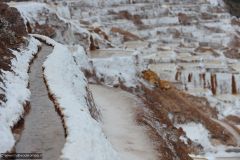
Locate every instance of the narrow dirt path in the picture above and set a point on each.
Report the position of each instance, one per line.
(118, 116)
(228, 158)
(43, 131)
(230, 129)
(218, 158)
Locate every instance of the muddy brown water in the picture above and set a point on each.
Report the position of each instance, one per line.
(43, 131)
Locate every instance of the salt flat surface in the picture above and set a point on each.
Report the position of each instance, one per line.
(127, 137)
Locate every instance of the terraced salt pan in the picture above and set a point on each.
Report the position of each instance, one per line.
(104, 53)
(136, 44)
(236, 67)
(162, 57)
(227, 104)
(200, 34)
(193, 35)
(118, 120)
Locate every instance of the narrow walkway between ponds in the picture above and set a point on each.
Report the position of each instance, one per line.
(43, 130)
(229, 129)
(119, 125)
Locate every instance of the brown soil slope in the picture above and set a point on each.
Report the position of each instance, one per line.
(12, 30)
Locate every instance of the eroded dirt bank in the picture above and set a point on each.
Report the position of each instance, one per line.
(118, 116)
(43, 131)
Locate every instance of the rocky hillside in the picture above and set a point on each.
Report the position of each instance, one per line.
(12, 31)
(233, 6)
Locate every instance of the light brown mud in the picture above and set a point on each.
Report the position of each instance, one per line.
(127, 137)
